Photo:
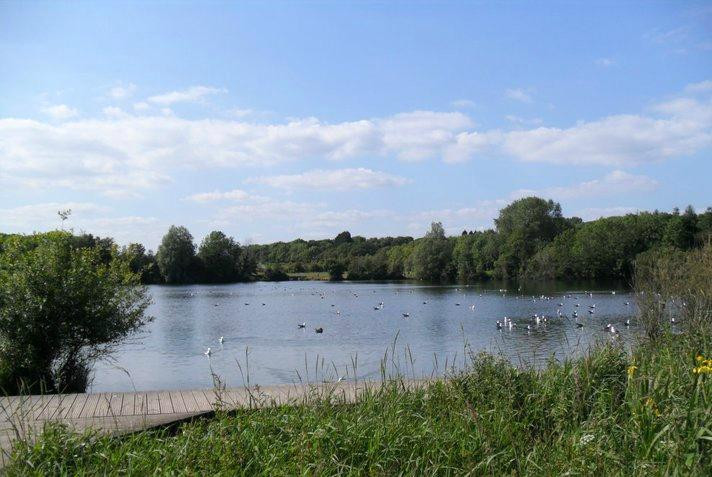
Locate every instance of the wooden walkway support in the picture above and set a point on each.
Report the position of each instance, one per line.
(23, 417)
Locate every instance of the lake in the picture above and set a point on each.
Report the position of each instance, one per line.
(259, 324)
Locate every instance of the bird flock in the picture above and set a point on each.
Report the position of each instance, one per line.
(535, 322)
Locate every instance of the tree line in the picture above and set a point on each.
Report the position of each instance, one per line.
(531, 239)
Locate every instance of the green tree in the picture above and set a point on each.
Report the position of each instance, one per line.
(431, 257)
(176, 256)
(221, 257)
(524, 227)
(61, 308)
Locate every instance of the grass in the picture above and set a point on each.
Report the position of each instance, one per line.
(309, 275)
(595, 415)
(613, 412)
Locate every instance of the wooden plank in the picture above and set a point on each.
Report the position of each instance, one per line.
(178, 404)
(91, 405)
(76, 410)
(39, 403)
(190, 403)
(116, 401)
(164, 399)
(140, 404)
(62, 407)
(127, 406)
(153, 406)
(202, 402)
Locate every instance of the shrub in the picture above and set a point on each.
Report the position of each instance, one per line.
(62, 307)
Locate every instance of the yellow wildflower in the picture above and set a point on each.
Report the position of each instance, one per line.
(631, 370)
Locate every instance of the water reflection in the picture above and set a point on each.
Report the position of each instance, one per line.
(263, 318)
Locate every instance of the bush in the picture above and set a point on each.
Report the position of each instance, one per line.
(62, 307)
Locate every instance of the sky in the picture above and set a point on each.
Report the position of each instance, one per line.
(282, 120)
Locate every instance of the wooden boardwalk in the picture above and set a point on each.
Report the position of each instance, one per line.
(25, 416)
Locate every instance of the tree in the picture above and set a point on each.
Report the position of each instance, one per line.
(176, 256)
(61, 308)
(436, 231)
(343, 237)
(221, 258)
(336, 270)
(431, 257)
(524, 227)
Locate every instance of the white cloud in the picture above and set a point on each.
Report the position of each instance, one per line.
(120, 154)
(463, 104)
(605, 62)
(518, 94)
(141, 106)
(615, 182)
(340, 179)
(241, 113)
(235, 194)
(518, 120)
(85, 217)
(192, 94)
(593, 213)
(122, 91)
(620, 140)
(701, 87)
(60, 111)
(114, 112)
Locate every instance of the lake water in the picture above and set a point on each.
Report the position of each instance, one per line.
(259, 323)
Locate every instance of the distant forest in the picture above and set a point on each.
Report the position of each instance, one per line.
(531, 239)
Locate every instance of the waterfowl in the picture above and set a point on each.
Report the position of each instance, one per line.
(579, 325)
(319, 330)
(207, 352)
(627, 322)
(406, 315)
(302, 325)
(499, 325)
(221, 340)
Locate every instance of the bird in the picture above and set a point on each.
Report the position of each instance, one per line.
(529, 327)
(626, 303)
(207, 352)
(627, 322)
(672, 320)
(406, 315)
(302, 325)
(457, 304)
(499, 325)
(221, 340)
(425, 303)
(319, 330)
(579, 325)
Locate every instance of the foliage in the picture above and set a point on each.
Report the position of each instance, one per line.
(62, 307)
(176, 256)
(223, 260)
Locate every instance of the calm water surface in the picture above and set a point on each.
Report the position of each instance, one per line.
(261, 319)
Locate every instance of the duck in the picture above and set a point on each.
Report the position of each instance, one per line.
(499, 325)
(208, 352)
(302, 325)
(319, 330)
(579, 325)
(627, 322)
(406, 315)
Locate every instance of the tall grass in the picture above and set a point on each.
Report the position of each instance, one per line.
(611, 412)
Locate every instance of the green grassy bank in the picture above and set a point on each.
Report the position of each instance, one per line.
(608, 413)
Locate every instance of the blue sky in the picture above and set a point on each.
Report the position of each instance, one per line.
(272, 121)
